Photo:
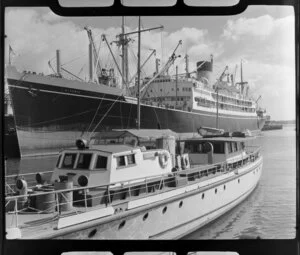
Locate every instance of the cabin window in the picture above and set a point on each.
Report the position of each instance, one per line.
(242, 146)
(234, 146)
(84, 161)
(101, 162)
(121, 161)
(218, 148)
(229, 147)
(131, 159)
(58, 161)
(69, 160)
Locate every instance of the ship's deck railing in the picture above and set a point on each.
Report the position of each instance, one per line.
(10, 180)
(125, 192)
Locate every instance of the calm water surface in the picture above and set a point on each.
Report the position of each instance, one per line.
(269, 212)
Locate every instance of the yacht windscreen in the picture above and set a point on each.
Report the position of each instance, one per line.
(101, 162)
(84, 161)
(69, 160)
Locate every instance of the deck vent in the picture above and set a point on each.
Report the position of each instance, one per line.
(203, 195)
(83, 180)
(224, 187)
(216, 191)
(180, 204)
(81, 144)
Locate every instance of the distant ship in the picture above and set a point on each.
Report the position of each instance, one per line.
(51, 111)
(269, 125)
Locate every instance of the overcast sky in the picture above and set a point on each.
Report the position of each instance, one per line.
(262, 36)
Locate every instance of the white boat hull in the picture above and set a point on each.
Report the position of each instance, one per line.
(177, 221)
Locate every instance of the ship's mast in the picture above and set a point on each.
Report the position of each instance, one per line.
(138, 76)
(242, 83)
(123, 49)
(123, 41)
(139, 65)
(176, 85)
(187, 75)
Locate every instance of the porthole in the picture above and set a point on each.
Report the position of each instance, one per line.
(92, 233)
(180, 204)
(145, 216)
(224, 187)
(216, 190)
(164, 210)
(203, 195)
(122, 224)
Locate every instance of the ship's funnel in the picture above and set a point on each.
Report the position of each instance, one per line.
(204, 70)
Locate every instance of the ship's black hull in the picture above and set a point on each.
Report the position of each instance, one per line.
(49, 120)
(11, 145)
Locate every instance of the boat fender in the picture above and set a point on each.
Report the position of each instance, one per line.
(163, 159)
(185, 161)
(82, 180)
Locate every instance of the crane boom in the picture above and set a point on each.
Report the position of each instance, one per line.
(153, 52)
(96, 56)
(223, 74)
(116, 63)
(173, 54)
(166, 67)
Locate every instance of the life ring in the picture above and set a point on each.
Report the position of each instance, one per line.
(163, 159)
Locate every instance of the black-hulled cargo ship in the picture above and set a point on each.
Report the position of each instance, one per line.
(11, 145)
(52, 111)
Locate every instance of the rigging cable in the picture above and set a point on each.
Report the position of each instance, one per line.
(104, 115)
(94, 116)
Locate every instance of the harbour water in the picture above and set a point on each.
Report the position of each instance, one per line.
(268, 213)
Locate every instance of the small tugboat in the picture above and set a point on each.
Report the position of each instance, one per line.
(270, 125)
(134, 184)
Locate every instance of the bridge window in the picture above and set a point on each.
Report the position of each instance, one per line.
(84, 161)
(69, 160)
(121, 161)
(58, 161)
(131, 159)
(101, 162)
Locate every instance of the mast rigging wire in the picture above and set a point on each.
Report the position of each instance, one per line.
(104, 115)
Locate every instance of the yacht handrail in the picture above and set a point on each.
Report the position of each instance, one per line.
(27, 174)
(128, 183)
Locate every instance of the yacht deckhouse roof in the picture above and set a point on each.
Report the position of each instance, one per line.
(223, 139)
(147, 134)
(152, 134)
(108, 148)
